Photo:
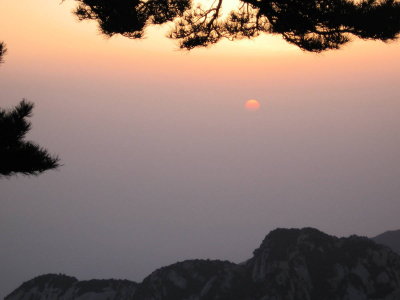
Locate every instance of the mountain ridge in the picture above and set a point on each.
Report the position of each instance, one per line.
(289, 264)
(390, 238)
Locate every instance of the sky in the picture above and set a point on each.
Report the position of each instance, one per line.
(162, 162)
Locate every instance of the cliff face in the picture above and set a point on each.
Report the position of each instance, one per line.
(308, 264)
(290, 264)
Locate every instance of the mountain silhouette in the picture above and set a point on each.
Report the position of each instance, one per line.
(389, 238)
(290, 264)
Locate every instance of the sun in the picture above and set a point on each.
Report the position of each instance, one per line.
(252, 105)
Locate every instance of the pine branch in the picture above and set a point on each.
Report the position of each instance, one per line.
(3, 51)
(17, 155)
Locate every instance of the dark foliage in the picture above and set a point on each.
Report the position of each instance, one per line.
(17, 155)
(130, 17)
(3, 51)
(312, 25)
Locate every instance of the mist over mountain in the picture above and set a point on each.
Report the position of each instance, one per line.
(389, 238)
(289, 264)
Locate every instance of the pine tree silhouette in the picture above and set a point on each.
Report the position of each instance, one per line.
(3, 51)
(312, 25)
(16, 154)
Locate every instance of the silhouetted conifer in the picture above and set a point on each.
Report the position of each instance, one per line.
(3, 51)
(312, 25)
(17, 155)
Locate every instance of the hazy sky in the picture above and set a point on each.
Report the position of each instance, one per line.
(161, 161)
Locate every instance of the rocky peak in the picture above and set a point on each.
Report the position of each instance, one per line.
(309, 264)
(281, 241)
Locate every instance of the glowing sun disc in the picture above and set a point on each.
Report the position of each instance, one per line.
(252, 105)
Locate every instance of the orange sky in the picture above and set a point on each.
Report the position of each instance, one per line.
(46, 33)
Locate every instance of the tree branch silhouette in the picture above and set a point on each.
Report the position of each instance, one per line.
(312, 25)
(17, 155)
(3, 51)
